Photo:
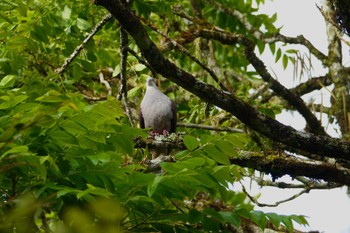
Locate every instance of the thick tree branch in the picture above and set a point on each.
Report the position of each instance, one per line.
(271, 128)
(278, 166)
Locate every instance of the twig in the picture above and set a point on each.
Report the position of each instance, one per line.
(142, 61)
(209, 127)
(298, 40)
(45, 223)
(80, 47)
(123, 92)
(106, 83)
(124, 41)
(277, 203)
(305, 183)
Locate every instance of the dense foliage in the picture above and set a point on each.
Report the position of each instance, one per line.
(68, 161)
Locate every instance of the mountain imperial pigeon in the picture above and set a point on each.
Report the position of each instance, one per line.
(157, 111)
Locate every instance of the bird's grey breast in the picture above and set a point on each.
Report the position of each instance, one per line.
(156, 110)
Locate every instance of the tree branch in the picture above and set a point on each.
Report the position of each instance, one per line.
(271, 128)
(277, 203)
(276, 165)
(209, 127)
(280, 165)
(301, 40)
(123, 92)
(305, 183)
(312, 85)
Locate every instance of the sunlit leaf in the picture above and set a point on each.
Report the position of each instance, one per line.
(191, 142)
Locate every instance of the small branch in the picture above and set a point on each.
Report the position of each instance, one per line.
(80, 47)
(124, 41)
(106, 83)
(142, 61)
(209, 127)
(123, 92)
(45, 223)
(301, 40)
(312, 85)
(307, 190)
(305, 183)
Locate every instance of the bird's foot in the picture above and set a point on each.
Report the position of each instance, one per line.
(165, 132)
(153, 133)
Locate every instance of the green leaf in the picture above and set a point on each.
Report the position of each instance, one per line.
(238, 198)
(194, 216)
(82, 24)
(39, 34)
(152, 187)
(212, 151)
(11, 101)
(101, 158)
(226, 147)
(278, 55)
(212, 213)
(191, 142)
(259, 218)
(139, 67)
(7, 81)
(261, 47)
(134, 92)
(52, 96)
(66, 13)
(15, 150)
(285, 61)
(300, 219)
(64, 192)
(274, 218)
(231, 218)
(288, 223)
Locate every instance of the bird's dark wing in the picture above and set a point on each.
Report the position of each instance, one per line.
(174, 119)
(141, 120)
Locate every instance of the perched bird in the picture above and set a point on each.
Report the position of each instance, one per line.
(157, 111)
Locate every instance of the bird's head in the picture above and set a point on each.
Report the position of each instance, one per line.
(150, 82)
